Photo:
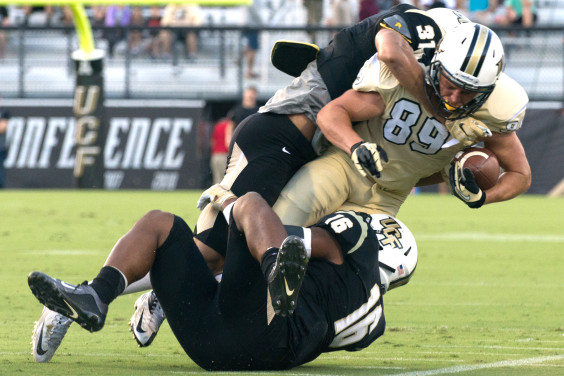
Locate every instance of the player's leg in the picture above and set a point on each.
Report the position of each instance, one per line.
(260, 142)
(266, 151)
(51, 327)
(130, 259)
(243, 298)
(184, 285)
(317, 189)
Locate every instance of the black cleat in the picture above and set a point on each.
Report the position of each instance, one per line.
(287, 275)
(80, 303)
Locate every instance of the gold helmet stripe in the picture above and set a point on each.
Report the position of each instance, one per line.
(477, 51)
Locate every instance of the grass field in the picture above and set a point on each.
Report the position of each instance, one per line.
(487, 297)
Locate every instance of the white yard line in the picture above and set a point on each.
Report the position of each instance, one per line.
(490, 237)
(473, 367)
(62, 252)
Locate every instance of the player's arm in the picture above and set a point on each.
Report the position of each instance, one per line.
(325, 247)
(394, 50)
(336, 118)
(516, 177)
(436, 178)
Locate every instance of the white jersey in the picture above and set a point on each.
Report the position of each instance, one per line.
(416, 143)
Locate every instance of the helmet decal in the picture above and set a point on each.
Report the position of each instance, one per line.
(397, 257)
(477, 51)
(392, 235)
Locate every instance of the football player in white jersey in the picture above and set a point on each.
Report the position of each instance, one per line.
(375, 164)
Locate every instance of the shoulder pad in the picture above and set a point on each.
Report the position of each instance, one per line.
(504, 110)
(397, 23)
(349, 228)
(374, 76)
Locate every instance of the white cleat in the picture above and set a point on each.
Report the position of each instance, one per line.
(147, 319)
(48, 333)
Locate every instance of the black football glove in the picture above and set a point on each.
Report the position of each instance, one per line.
(368, 157)
(464, 186)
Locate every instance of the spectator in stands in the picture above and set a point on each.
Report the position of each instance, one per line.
(155, 47)
(4, 21)
(482, 11)
(367, 8)
(314, 15)
(519, 13)
(116, 15)
(342, 13)
(248, 106)
(98, 19)
(430, 4)
(181, 16)
(4, 117)
(220, 138)
(252, 38)
(135, 34)
(37, 15)
(65, 17)
(387, 4)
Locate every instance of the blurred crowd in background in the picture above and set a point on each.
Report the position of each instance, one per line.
(157, 43)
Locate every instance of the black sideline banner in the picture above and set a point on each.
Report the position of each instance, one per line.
(147, 145)
(88, 109)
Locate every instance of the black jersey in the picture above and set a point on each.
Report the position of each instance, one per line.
(226, 326)
(342, 303)
(341, 60)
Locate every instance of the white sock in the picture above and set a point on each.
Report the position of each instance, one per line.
(141, 285)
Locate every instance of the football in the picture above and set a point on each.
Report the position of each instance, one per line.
(483, 163)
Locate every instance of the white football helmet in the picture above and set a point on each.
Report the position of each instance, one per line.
(398, 256)
(471, 57)
(447, 18)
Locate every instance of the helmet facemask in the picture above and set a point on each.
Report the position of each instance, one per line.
(470, 57)
(442, 107)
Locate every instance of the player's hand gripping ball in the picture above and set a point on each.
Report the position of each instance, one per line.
(473, 171)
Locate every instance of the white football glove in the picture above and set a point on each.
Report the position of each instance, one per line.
(367, 158)
(216, 195)
(467, 130)
(464, 186)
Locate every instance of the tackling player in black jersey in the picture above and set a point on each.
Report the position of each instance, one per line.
(230, 325)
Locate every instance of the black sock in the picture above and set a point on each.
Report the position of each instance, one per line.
(267, 261)
(108, 284)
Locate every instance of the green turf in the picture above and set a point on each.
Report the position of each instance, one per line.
(488, 290)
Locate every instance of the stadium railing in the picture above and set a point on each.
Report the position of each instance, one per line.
(37, 63)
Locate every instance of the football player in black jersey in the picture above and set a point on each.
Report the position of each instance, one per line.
(269, 147)
(231, 325)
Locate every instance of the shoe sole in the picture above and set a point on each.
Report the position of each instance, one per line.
(49, 295)
(292, 260)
